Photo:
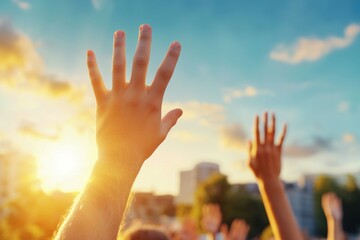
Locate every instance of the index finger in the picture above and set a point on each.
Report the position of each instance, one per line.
(166, 70)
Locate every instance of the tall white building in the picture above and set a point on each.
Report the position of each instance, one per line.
(190, 180)
(301, 198)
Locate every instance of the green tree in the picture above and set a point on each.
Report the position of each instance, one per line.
(350, 196)
(323, 184)
(183, 210)
(212, 190)
(34, 215)
(243, 205)
(234, 203)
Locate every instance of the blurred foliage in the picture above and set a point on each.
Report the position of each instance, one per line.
(183, 210)
(349, 193)
(234, 203)
(33, 215)
(240, 204)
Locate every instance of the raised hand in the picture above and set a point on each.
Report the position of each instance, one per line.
(264, 153)
(332, 207)
(129, 128)
(211, 218)
(188, 229)
(238, 231)
(265, 163)
(129, 119)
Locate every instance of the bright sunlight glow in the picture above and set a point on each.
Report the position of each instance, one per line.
(61, 168)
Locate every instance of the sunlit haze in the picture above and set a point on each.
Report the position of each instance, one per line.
(299, 59)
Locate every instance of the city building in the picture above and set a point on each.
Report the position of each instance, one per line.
(301, 198)
(190, 180)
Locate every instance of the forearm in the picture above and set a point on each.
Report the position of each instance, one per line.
(98, 211)
(278, 209)
(335, 230)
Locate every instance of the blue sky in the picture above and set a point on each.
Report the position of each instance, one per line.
(239, 58)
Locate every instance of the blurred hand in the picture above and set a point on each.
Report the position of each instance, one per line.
(211, 218)
(238, 230)
(264, 154)
(188, 230)
(129, 122)
(332, 207)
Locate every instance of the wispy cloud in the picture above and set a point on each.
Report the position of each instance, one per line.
(231, 94)
(21, 67)
(234, 93)
(343, 106)
(29, 129)
(186, 136)
(348, 138)
(234, 136)
(22, 4)
(97, 4)
(84, 120)
(319, 144)
(312, 48)
(202, 113)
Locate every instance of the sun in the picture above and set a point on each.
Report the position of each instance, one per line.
(62, 167)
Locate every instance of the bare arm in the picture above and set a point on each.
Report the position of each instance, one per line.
(331, 205)
(265, 162)
(129, 128)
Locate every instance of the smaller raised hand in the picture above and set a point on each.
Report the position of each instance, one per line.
(211, 218)
(265, 163)
(265, 154)
(238, 231)
(332, 207)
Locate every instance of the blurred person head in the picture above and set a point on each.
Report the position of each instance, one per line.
(148, 232)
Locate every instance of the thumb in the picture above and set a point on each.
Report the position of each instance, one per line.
(169, 121)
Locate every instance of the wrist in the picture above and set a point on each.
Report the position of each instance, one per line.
(333, 221)
(113, 165)
(124, 158)
(269, 181)
(270, 186)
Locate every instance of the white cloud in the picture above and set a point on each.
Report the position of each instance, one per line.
(97, 4)
(21, 67)
(249, 91)
(22, 4)
(343, 106)
(202, 113)
(312, 48)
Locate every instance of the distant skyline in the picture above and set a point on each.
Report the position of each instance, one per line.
(297, 59)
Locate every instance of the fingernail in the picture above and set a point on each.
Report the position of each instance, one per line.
(145, 27)
(180, 113)
(90, 54)
(175, 45)
(119, 34)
